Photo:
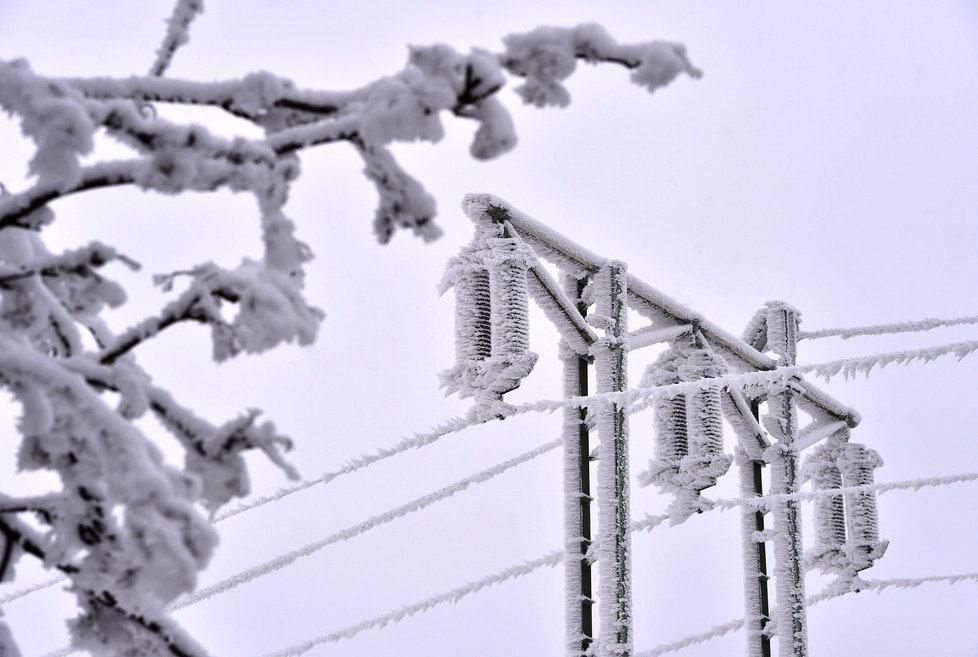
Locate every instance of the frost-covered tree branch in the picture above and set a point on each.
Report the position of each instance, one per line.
(125, 527)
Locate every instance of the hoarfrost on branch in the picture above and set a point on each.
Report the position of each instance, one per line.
(124, 527)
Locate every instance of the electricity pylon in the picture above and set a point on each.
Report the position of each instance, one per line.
(496, 275)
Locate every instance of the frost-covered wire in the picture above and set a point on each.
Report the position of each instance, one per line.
(910, 484)
(453, 425)
(551, 559)
(647, 524)
(418, 504)
(916, 326)
(878, 585)
(638, 398)
(48, 583)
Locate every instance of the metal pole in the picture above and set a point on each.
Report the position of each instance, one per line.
(758, 613)
(577, 497)
(789, 568)
(614, 560)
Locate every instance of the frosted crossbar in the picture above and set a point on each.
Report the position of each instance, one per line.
(564, 252)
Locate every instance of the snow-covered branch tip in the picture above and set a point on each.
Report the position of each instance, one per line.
(177, 33)
(547, 56)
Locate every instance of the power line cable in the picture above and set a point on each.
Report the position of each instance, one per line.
(916, 326)
(418, 504)
(10, 597)
(554, 557)
(637, 398)
(453, 596)
(878, 585)
(453, 425)
(910, 484)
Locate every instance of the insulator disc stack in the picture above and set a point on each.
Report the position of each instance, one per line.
(511, 358)
(828, 553)
(858, 464)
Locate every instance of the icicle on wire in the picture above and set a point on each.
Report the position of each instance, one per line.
(453, 596)
(418, 504)
(878, 585)
(917, 326)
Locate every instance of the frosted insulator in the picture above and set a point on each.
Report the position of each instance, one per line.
(864, 546)
(705, 460)
(828, 552)
(830, 519)
(473, 327)
(510, 298)
(669, 423)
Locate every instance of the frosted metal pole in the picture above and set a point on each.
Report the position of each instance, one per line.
(758, 611)
(577, 491)
(789, 568)
(614, 557)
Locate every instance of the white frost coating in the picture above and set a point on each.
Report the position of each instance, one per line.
(688, 428)
(52, 116)
(878, 585)
(915, 326)
(828, 551)
(467, 273)
(492, 319)
(404, 203)
(791, 617)
(418, 504)
(577, 507)
(613, 537)
(560, 310)
(669, 424)
(782, 330)
(60, 117)
(752, 550)
(750, 436)
(453, 596)
(715, 632)
(496, 133)
(554, 247)
(768, 501)
(269, 302)
(453, 425)
(847, 367)
(40, 586)
(547, 56)
(177, 33)
(864, 546)
(511, 357)
(173, 542)
(638, 399)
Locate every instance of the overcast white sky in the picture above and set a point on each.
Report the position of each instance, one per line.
(828, 157)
